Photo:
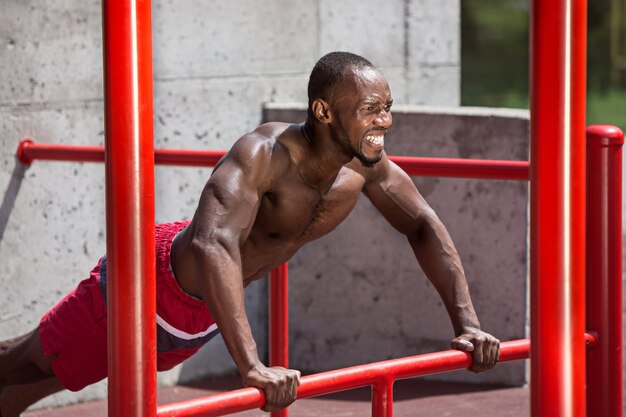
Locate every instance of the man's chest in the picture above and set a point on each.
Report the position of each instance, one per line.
(301, 214)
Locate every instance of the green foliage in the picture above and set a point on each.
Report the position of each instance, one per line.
(494, 52)
(607, 108)
(495, 58)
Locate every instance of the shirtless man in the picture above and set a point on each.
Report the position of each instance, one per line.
(279, 187)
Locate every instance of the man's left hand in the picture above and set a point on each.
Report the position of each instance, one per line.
(484, 347)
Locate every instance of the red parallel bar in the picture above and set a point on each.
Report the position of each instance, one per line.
(129, 144)
(187, 157)
(464, 168)
(558, 65)
(382, 397)
(28, 151)
(604, 269)
(343, 379)
(279, 322)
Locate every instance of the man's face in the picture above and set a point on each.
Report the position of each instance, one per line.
(362, 108)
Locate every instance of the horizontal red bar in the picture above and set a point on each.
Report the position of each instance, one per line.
(28, 151)
(344, 379)
(464, 168)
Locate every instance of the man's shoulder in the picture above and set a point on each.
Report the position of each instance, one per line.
(260, 141)
(267, 134)
(262, 148)
(271, 130)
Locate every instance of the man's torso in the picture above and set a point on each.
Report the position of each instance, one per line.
(291, 213)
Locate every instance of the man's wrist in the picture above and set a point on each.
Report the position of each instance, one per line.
(249, 364)
(467, 326)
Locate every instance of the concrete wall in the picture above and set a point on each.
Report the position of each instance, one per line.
(214, 66)
(358, 295)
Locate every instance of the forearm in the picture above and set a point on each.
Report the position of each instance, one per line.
(440, 261)
(221, 286)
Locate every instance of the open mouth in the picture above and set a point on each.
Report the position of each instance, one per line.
(377, 140)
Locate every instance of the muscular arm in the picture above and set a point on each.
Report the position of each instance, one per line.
(219, 225)
(395, 196)
(227, 209)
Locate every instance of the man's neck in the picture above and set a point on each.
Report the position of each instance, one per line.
(324, 157)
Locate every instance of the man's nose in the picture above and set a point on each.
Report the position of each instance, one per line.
(384, 119)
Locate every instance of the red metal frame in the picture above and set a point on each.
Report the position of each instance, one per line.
(279, 322)
(558, 192)
(604, 270)
(604, 252)
(558, 65)
(131, 291)
(378, 374)
(28, 151)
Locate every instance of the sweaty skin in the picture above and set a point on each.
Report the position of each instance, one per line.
(284, 185)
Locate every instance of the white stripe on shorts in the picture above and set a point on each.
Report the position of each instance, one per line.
(180, 333)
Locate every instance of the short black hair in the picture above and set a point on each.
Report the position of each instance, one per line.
(330, 69)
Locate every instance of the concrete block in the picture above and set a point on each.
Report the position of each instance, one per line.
(434, 36)
(242, 37)
(367, 28)
(434, 85)
(51, 53)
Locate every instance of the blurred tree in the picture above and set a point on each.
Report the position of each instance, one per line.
(599, 45)
(494, 52)
(495, 56)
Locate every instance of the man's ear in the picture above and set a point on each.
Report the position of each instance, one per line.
(321, 110)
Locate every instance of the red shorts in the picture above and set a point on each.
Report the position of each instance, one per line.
(74, 332)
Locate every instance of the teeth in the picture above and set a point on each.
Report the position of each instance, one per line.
(377, 140)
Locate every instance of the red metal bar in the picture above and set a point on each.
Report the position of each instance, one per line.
(604, 269)
(463, 168)
(344, 379)
(382, 397)
(279, 322)
(187, 157)
(558, 47)
(131, 292)
(28, 151)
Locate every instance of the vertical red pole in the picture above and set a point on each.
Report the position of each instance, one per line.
(604, 269)
(382, 398)
(558, 68)
(130, 207)
(279, 322)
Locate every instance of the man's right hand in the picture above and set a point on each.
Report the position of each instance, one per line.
(279, 384)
